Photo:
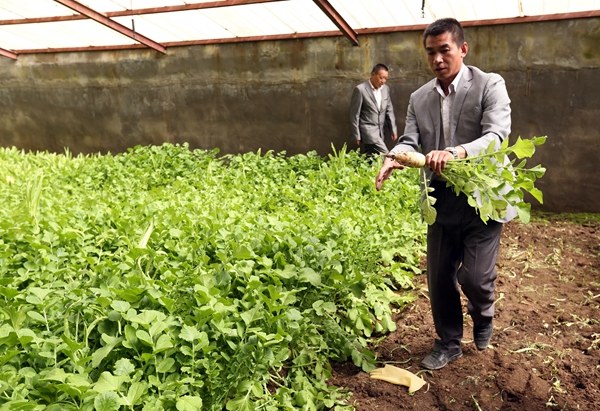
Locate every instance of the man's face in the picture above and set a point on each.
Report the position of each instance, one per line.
(445, 56)
(380, 78)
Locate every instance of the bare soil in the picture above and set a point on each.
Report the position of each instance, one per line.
(545, 352)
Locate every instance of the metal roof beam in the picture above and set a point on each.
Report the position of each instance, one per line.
(321, 34)
(338, 20)
(228, 40)
(190, 6)
(102, 19)
(8, 53)
(135, 12)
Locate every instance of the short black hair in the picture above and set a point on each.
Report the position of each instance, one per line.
(379, 66)
(447, 25)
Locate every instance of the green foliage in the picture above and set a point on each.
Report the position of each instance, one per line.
(494, 180)
(169, 278)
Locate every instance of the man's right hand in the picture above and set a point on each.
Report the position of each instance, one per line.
(389, 165)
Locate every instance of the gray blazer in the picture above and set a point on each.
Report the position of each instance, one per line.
(366, 119)
(480, 114)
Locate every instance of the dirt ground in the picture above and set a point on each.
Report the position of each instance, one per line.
(545, 352)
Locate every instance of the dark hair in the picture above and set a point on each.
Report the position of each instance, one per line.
(447, 25)
(379, 66)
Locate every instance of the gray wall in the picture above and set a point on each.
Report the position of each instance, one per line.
(293, 95)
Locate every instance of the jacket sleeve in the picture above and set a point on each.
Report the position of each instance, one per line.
(495, 116)
(391, 118)
(355, 105)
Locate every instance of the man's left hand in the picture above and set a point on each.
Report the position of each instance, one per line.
(436, 160)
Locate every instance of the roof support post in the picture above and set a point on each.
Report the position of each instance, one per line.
(102, 19)
(338, 20)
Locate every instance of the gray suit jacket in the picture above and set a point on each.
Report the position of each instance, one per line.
(480, 114)
(366, 119)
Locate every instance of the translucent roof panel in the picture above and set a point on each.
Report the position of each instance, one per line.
(20, 9)
(66, 34)
(470, 10)
(379, 13)
(176, 26)
(278, 18)
(28, 26)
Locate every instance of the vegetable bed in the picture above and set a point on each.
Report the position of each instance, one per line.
(178, 279)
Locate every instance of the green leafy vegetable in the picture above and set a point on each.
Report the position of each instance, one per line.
(492, 181)
(170, 278)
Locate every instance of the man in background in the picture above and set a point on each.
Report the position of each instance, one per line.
(372, 113)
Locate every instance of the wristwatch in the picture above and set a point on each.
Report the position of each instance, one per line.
(453, 151)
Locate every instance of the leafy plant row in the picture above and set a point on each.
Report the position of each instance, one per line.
(166, 278)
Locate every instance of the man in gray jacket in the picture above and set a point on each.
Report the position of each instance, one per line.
(455, 115)
(372, 113)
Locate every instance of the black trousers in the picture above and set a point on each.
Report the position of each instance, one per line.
(461, 255)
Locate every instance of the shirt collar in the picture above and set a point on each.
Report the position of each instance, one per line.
(454, 85)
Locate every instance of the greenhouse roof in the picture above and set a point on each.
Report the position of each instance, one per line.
(41, 26)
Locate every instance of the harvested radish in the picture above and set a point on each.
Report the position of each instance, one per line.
(491, 180)
(409, 158)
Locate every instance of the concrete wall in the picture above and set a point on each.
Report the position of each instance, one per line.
(293, 95)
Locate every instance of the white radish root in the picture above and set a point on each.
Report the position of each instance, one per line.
(409, 158)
